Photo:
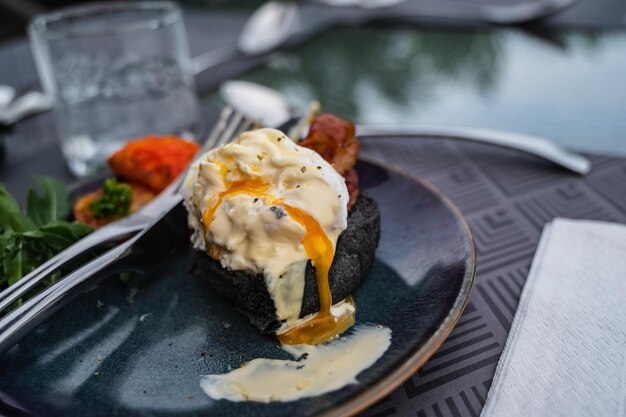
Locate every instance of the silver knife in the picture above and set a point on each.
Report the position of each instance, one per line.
(522, 142)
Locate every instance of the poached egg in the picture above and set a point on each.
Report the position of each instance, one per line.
(264, 205)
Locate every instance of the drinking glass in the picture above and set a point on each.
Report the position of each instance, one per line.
(116, 71)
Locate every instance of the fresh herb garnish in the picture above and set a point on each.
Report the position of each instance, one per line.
(115, 200)
(29, 239)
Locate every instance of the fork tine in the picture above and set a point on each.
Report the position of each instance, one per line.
(230, 130)
(243, 125)
(237, 124)
(220, 127)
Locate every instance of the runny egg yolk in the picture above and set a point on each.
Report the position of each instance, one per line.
(323, 326)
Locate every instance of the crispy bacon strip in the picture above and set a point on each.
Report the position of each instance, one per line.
(352, 183)
(334, 139)
(153, 161)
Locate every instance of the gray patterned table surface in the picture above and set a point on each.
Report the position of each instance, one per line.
(506, 197)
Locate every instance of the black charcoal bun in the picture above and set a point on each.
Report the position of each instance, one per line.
(354, 255)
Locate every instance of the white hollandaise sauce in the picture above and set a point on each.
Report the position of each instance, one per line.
(315, 370)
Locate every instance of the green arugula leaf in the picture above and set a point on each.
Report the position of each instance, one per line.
(8, 205)
(28, 240)
(11, 217)
(21, 223)
(3, 242)
(35, 208)
(60, 234)
(52, 205)
(13, 260)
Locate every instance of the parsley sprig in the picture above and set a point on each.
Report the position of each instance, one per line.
(29, 239)
(116, 200)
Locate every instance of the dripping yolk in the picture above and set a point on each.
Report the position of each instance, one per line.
(323, 326)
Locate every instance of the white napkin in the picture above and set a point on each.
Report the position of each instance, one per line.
(566, 352)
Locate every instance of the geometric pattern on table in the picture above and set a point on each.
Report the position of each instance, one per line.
(507, 197)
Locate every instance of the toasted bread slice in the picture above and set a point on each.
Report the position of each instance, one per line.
(354, 255)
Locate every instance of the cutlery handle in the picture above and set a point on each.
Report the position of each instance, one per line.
(532, 145)
(30, 314)
(213, 58)
(136, 222)
(460, 11)
(36, 277)
(30, 103)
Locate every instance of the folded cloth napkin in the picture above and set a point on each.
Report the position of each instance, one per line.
(566, 352)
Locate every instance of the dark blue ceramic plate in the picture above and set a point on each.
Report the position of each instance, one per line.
(139, 349)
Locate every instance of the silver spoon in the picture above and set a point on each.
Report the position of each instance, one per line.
(14, 108)
(7, 93)
(268, 27)
(262, 103)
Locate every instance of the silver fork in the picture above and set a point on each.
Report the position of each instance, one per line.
(229, 125)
